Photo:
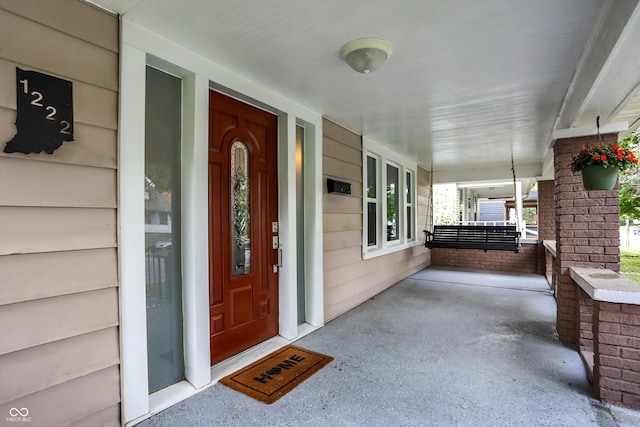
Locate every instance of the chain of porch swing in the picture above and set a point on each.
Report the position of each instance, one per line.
(429, 203)
(515, 197)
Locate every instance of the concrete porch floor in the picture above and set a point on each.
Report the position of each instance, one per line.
(440, 348)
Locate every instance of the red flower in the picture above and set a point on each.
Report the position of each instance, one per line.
(611, 155)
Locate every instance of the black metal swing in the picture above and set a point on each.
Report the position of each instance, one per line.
(485, 237)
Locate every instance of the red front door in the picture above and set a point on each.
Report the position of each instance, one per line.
(243, 282)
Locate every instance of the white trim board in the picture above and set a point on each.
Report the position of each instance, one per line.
(139, 49)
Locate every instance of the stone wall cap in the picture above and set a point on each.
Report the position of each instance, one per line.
(550, 245)
(606, 285)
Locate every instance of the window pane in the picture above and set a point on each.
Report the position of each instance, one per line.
(162, 229)
(409, 196)
(240, 208)
(371, 224)
(371, 177)
(392, 202)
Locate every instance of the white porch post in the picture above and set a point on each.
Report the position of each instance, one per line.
(519, 208)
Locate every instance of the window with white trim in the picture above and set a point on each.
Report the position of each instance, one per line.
(372, 207)
(389, 219)
(408, 191)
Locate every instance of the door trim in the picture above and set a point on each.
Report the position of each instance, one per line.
(139, 48)
(314, 285)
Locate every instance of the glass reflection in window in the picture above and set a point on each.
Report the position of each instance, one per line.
(240, 210)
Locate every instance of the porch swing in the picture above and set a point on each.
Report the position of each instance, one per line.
(485, 237)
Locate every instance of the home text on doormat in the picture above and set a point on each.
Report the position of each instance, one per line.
(273, 376)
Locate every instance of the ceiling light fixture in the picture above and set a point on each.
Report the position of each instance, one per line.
(367, 54)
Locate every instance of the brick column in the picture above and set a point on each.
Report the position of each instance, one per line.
(617, 353)
(546, 210)
(546, 226)
(586, 230)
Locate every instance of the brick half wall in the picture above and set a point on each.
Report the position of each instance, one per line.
(525, 261)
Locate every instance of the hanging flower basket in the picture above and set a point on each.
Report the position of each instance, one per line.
(596, 177)
(600, 165)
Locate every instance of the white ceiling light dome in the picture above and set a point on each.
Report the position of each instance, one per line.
(367, 54)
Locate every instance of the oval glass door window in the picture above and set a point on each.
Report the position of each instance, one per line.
(240, 210)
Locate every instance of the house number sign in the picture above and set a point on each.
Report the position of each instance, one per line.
(45, 113)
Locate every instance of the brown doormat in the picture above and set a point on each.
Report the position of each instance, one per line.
(273, 376)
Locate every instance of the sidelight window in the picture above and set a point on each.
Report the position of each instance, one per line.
(162, 201)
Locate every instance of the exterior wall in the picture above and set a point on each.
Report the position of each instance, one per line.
(546, 227)
(526, 261)
(546, 207)
(348, 279)
(609, 334)
(491, 210)
(586, 230)
(59, 352)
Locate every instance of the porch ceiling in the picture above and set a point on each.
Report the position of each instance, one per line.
(468, 84)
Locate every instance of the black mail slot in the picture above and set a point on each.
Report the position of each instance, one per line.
(334, 186)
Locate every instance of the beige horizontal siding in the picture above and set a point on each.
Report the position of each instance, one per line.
(339, 134)
(348, 279)
(108, 417)
(24, 182)
(93, 146)
(93, 105)
(360, 289)
(337, 150)
(424, 204)
(346, 273)
(424, 177)
(342, 222)
(93, 26)
(344, 171)
(71, 401)
(339, 203)
(46, 320)
(423, 199)
(356, 295)
(386, 276)
(60, 351)
(44, 48)
(57, 362)
(341, 257)
(341, 239)
(30, 229)
(58, 273)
